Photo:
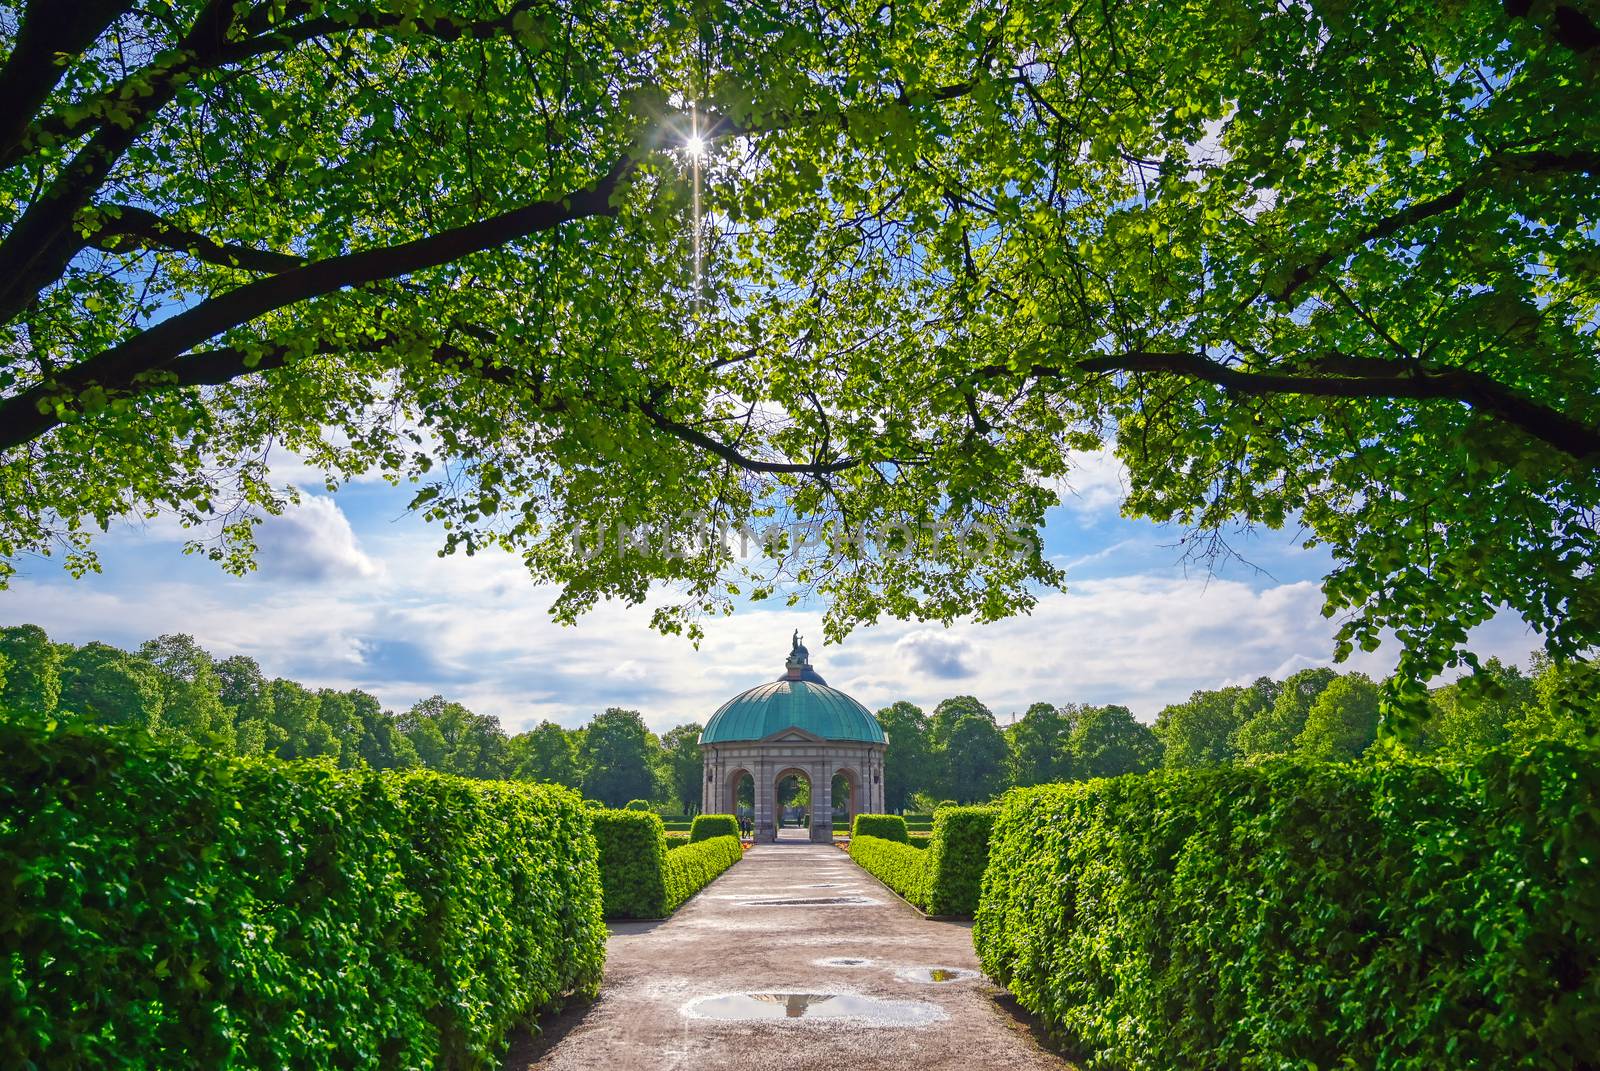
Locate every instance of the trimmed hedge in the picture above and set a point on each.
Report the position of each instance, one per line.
(633, 850)
(919, 840)
(1395, 913)
(641, 878)
(885, 826)
(692, 867)
(942, 874)
(165, 907)
(707, 826)
(899, 866)
(957, 856)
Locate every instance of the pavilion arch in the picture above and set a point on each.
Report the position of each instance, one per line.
(730, 790)
(852, 797)
(811, 783)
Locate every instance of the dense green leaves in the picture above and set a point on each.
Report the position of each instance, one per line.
(1396, 913)
(941, 876)
(897, 864)
(883, 826)
(1321, 265)
(956, 858)
(642, 879)
(169, 908)
(706, 826)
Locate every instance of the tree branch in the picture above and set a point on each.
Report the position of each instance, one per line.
(1572, 437)
(50, 30)
(91, 113)
(126, 227)
(1524, 163)
(695, 437)
(120, 369)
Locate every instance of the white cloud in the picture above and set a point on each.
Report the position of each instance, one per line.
(935, 653)
(1095, 482)
(477, 630)
(313, 540)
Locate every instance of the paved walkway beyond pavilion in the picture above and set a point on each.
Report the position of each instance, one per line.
(793, 959)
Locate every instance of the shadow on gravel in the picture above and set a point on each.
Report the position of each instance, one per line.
(1029, 1022)
(527, 1047)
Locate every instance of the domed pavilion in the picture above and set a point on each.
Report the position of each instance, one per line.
(795, 725)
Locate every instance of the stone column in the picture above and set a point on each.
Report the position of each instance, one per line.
(876, 785)
(766, 797)
(710, 784)
(822, 802)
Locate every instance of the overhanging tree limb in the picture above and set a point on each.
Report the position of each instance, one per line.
(1537, 162)
(1572, 437)
(126, 227)
(31, 413)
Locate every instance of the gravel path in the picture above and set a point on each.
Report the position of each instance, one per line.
(817, 965)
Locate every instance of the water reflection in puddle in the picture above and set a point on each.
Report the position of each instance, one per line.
(934, 974)
(835, 1007)
(842, 961)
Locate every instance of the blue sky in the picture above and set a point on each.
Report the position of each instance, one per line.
(350, 593)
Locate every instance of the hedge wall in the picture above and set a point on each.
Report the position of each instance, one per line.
(1384, 914)
(633, 851)
(167, 908)
(957, 855)
(899, 866)
(642, 879)
(886, 826)
(691, 868)
(707, 826)
(941, 876)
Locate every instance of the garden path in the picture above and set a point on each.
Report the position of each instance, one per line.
(766, 926)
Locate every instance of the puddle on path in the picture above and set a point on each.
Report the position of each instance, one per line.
(814, 1007)
(934, 974)
(812, 901)
(842, 961)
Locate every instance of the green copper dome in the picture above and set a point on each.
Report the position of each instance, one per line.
(800, 699)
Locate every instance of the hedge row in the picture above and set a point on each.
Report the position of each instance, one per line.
(168, 908)
(692, 867)
(641, 878)
(899, 866)
(707, 826)
(1384, 914)
(942, 877)
(957, 856)
(884, 826)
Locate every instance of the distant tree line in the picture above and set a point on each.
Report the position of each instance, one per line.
(175, 690)
(960, 753)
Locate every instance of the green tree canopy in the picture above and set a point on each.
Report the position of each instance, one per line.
(191, 701)
(1199, 731)
(1110, 741)
(1273, 730)
(32, 670)
(1036, 745)
(908, 760)
(449, 737)
(1342, 721)
(107, 685)
(547, 752)
(685, 770)
(969, 751)
(1331, 265)
(616, 758)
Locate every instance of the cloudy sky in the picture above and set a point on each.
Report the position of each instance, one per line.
(350, 593)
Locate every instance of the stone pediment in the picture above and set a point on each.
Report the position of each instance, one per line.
(792, 735)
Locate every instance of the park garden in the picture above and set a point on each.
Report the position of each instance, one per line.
(698, 308)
